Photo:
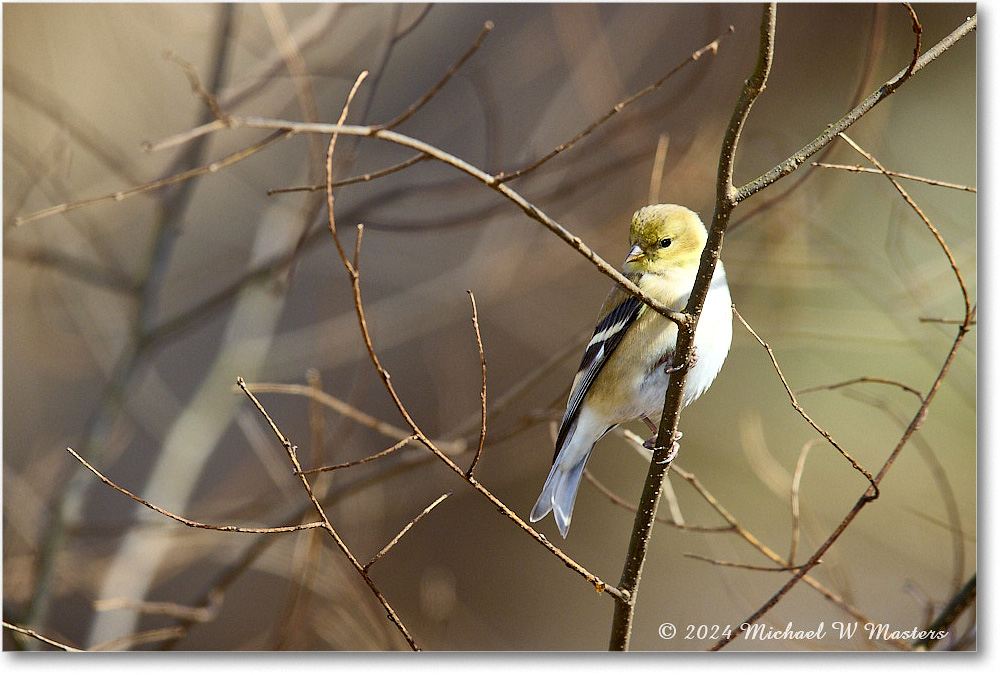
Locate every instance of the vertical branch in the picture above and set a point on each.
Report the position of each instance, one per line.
(482, 395)
(621, 628)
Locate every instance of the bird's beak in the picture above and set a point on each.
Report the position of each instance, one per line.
(634, 254)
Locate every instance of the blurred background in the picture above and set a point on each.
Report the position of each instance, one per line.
(126, 323)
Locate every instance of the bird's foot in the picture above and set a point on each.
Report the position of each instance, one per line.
(669, 366)
(650, 444)
(649, 423)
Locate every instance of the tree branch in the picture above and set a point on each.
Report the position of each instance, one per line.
(621, 627)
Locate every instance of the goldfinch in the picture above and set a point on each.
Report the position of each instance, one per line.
(627, 364)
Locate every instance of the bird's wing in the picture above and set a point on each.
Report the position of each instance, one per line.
(607, 335)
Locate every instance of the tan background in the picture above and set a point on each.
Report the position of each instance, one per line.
(835, 277)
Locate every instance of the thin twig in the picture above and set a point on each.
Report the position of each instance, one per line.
(745, 534)
(419, 103)
(796, 160)
(378, 455)
(915, 423)
(800, 466)
(329, 165)
(152, 186)
(861, 380)
(965, 596)
(290, 451)
(801, 411)
(354, 275)
(184, 136)
(923, 217)
(206, 96)
(385, 549)
(344, 408)
(172, 609)
(953, 322)
(628, 506)
(186, 521)
(918, 31)
(482, 395)
(490, 181)
(40, 637)
(140, 638)
(744, 566)
(656, 175)
(364, 178)
(857, 168)
(711, 47)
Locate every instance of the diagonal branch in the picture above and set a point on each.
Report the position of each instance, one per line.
(186, 521)
(419, 103)
(711, 47)
(290, 450)
(801, 411)
(406, 528)
(792, 163)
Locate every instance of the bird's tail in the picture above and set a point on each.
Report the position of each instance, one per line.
(559, 492)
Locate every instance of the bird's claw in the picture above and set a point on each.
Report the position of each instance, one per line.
(669, 367)
(650, 444)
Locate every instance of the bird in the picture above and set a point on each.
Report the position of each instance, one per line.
(627, 363)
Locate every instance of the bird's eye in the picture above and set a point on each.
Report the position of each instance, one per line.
(665, 242)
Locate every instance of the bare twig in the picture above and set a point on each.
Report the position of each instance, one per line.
(354, 274)
(364, 178)
(206, 96)
(344, 408)
(405, 529)
(792, 163)
(918, 31)
(656, 175)
(744, 566)
(290, 451)
(794, 494)
(419, 103)
(933, 230)
(329, 164)
(490, 181)
(140, 638)
(953, 322)
(628, 506)
(861, 380)
(743, 533)
(801, 411)
(857, 168)
(184, 136)
(378, 455)
(40, 637)
(915, 423)
(711, 47)
(185, 521)
(152, 186)
(183, 613)
(482, 395)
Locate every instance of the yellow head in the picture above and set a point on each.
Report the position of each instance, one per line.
(665, 237)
